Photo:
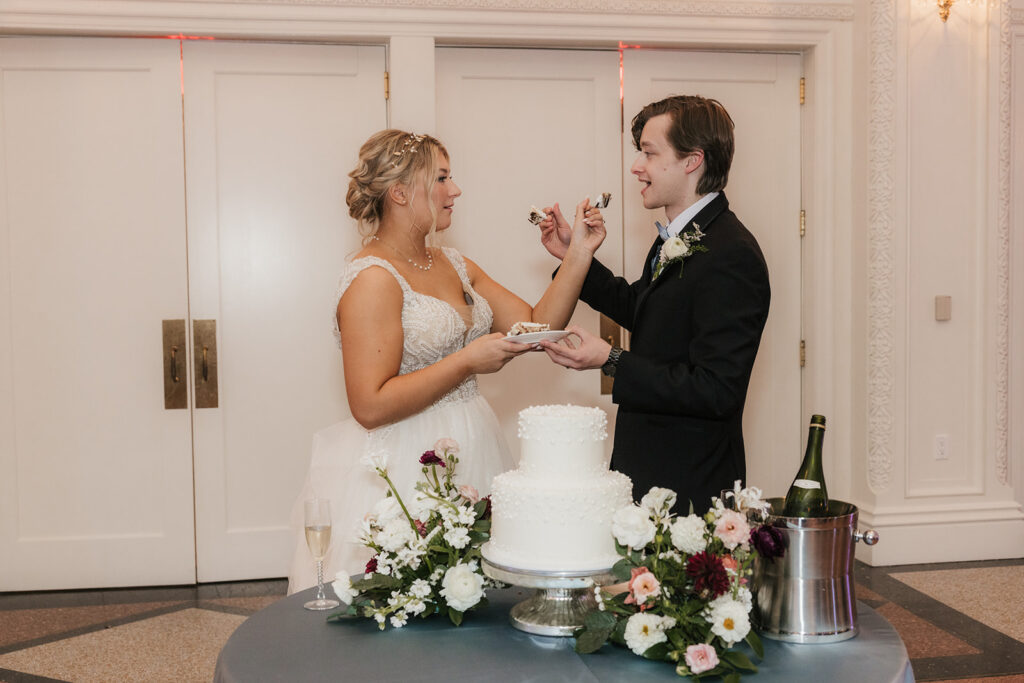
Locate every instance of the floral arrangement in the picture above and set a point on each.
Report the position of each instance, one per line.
(685, 597)
(679, 248)
(427, 551)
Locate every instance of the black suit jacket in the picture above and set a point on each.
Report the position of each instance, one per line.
(682, 385)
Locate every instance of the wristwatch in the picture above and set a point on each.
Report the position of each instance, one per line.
(613, 361)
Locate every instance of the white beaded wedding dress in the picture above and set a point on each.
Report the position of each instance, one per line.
(432, 329)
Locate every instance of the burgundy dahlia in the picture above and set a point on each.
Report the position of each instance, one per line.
(430, 458)
(371, 566)
(768, 541)
(708, 573)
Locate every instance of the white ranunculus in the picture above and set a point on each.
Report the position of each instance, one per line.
(421, 505)
(688, 534)
(632, 526)
(375, 460)
(386, 509)
(674, 247)
(658, 500)
(644, 630)
(461, 587)
(729, 621)
(446, 445)
(395, 534)
(342, 585)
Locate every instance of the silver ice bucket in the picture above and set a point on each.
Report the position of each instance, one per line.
(807, 596)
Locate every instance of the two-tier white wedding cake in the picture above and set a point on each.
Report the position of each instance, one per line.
(554, 513)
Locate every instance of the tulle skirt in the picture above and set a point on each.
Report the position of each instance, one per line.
(336, 473)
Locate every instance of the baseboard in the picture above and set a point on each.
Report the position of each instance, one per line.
(959, 532)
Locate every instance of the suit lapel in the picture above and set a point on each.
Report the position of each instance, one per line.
(704, 219)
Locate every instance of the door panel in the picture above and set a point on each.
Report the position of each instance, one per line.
(760, 91)
(95, 475)
(271, 133)
(530, 127)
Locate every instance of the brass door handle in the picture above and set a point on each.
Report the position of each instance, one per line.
(174, 364)
(204, 340)
(175, 390)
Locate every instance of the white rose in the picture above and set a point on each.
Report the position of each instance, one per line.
(395, 534)
(688, 534)
(342, 586)
(462, 587)
(674, 247)
(658, 499)
(632, 526)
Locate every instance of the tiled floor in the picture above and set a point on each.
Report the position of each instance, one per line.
(959, 621)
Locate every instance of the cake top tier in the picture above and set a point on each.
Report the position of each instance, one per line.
(563, 424)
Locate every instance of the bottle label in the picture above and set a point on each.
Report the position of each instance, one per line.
(807, 484)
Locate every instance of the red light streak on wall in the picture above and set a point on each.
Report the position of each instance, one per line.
(181, 38)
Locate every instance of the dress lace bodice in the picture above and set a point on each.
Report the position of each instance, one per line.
(431, 328)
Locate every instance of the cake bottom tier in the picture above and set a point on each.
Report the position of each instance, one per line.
(544, 526)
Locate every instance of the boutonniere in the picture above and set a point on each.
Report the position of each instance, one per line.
(679, 248)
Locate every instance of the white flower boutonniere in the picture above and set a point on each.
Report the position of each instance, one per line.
(679, 248)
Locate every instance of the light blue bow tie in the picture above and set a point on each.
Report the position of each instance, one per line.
(662, 230)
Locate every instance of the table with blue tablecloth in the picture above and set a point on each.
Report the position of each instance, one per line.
(285, 642)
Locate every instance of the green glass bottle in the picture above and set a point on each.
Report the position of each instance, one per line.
(807, 496)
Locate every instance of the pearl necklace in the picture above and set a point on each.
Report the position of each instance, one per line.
(430, 257)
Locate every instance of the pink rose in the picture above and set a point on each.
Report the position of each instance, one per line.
(732, 528)
(701, 658)
(469, 493)
(446, 445)
(642, 585)
(730, 563)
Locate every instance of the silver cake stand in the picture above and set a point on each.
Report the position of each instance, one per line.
(560, 603)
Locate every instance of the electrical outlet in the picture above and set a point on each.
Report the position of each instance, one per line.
(942, 446)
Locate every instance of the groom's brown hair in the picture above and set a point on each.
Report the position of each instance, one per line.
(698, 123)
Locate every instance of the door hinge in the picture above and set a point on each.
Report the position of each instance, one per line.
(387, 85)
(803, 353)
(803, 89)
(803, 222)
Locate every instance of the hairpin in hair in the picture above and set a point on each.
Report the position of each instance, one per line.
(411, 144)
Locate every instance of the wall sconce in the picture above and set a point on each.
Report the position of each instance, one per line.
(944, 7)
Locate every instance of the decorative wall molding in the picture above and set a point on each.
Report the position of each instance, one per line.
(881, 267)
(1002, 379)
(1017, 16)
(792, 10)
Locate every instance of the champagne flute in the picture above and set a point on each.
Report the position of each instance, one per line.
(318, 538)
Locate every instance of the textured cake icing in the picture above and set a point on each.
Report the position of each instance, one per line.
(554, 513)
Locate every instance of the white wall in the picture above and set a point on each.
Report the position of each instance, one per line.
(909, 190)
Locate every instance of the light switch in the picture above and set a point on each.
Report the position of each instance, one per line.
(943, 308)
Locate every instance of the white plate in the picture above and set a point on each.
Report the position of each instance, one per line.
(534, 337)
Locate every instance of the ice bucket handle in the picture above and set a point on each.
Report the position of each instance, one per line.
(869, 537)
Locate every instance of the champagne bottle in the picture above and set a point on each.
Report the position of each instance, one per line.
(807, 496)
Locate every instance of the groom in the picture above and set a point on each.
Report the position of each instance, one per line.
(695, 315)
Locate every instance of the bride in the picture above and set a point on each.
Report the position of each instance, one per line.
(416, 324)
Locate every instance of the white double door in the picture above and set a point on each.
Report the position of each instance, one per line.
(538, 126)
(145, 181)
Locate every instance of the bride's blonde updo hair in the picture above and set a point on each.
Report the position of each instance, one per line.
(388, 157)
